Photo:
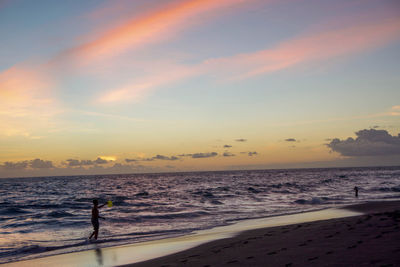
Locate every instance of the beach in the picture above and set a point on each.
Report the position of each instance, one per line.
(371, 239)
(357, 235)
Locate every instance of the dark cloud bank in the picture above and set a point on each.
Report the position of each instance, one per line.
(204, 155)
(34, 164)
(367, 143)
(79, 163)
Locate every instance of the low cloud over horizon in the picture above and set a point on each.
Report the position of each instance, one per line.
(34, 164)
(369, 142)
(369, 147)
(76, 162)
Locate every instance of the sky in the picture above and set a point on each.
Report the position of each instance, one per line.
(101, 87)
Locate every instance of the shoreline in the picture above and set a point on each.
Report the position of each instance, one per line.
(172, 251)
(369, 239)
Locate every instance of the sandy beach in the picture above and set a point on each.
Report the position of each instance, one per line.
(371, 239)
(359, 235)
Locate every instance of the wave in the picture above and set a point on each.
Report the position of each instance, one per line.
(13, 211)
(327, 181)
(312, 201)
(142, 194)
(34, 249)
(386, 189)
(175, 215)
(204, 193)
(60, 214)
(253, 190)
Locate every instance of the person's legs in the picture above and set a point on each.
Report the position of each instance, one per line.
(96, 229)
(95, 233)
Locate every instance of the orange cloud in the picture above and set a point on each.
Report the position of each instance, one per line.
(154, 26)
(22, 87)
(313, 47)
(25, 101)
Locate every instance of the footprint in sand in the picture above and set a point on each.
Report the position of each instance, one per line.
(232, 261)
(313, 258)
(329, 252)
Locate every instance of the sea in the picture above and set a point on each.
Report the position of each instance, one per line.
(44, 216)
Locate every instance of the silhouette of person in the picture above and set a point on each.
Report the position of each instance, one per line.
(356, 191)
(95, 218)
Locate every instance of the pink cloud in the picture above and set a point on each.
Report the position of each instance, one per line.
(312, 47)
(152, 27)
(140, 88)
(350, 39)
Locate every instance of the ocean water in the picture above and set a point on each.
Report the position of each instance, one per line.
(51, 215)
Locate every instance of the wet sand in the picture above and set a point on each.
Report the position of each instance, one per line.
(372, 239)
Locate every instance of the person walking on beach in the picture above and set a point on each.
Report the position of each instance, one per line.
(95, 218)
(356, 191)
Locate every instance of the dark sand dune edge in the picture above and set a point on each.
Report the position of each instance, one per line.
(371, 239)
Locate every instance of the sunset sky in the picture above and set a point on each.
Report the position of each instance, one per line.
(96, 87)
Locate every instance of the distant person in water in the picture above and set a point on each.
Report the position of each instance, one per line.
(356, 191)
(95, 218)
